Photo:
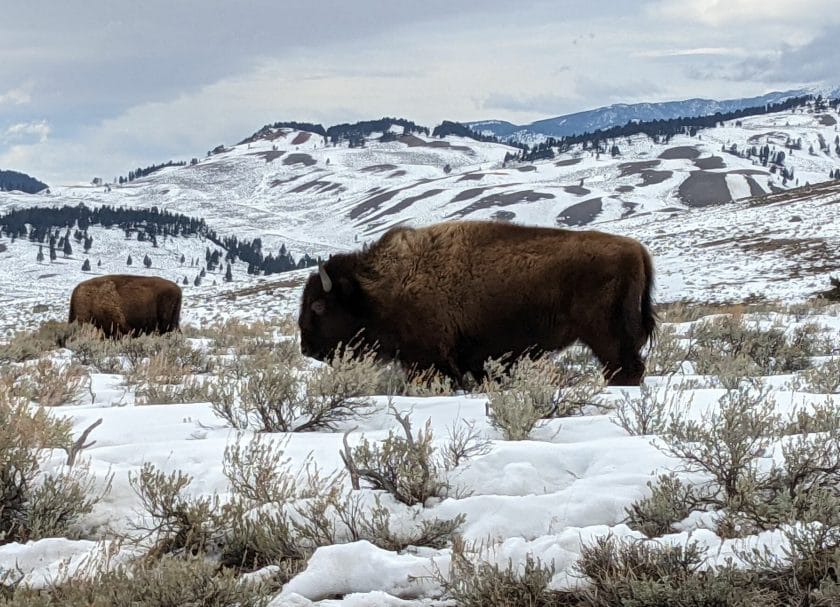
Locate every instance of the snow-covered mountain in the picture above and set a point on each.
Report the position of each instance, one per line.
(687, 200)
(621, 113)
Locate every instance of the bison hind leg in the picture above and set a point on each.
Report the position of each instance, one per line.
(629, 373)
(623, 365)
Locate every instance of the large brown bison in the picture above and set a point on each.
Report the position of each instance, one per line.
(122, 304)
(449, 296)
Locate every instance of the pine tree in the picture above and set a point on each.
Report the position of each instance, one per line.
(128, 261)
(99, 264)
(197, 280)
(185, 281)
(182, 259)
(147, 261)
(40, 256)
(228, 274)
(86, 266)
(53, 254)
(68, 250)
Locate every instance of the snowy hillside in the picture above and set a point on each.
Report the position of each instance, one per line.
(290, 188)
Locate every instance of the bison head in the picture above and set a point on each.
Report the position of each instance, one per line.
(329, 313)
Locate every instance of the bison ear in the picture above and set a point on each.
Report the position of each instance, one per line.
(319, 307)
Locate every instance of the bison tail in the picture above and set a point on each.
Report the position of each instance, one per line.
(649, 316)
(72, 316)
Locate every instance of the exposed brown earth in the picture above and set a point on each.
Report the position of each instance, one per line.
(502, 200)
(576, 190)
(827, 120)
(769, 135)
(468, 194)
(650, 177)
(567, 162)
(581, 213)
(702, 189)
(709, 163)
(320, 185)
(277, 287)
(301, 137)
(623, 189)
(472, 177)
(755, 189)
(636, 167)
(298, 158)
(379, 168)
(405, 203)
(372, 204)
(413, 141)
(279, 182)
(527, 168)
(683, 152)
(399, 173)
(747, 172)
(269, 155)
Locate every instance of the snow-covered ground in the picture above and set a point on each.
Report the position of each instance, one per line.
(548, 496)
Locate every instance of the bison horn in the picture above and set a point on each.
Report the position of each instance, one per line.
(325, 278)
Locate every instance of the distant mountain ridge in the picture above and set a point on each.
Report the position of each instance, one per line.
(621, 113)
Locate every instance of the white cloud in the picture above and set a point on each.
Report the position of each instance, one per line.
(26, 130)
(730, 12)
(16, 96)
(690, 52)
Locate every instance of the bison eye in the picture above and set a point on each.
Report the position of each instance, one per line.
(319, 307)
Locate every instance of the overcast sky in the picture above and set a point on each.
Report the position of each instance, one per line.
(96, 87)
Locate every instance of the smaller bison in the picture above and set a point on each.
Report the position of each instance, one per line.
(450, 296)
(121, 304)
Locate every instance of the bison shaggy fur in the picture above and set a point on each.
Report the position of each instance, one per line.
(122, 304)
(450, 296)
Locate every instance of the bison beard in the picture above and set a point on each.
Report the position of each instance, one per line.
(122, 304)
(452, 295)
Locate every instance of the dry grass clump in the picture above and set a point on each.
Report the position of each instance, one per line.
(394, 380)
(628, 571)
(484, 584)
(34, 503)
(729, 444)
(27, 345)
(169, 581)
(669, 502)
(530, 390)
(633, 572)
(649, 414)
(725, 346)
(274, 396)
(668, 353)
(407, 465)
(232, 336)
(53, 383)
(821, 379)
(276, 514)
